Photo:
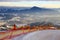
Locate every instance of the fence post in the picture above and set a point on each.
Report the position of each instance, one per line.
(23, 29)
(28, 28)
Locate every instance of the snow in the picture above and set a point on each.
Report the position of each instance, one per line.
(19, 37)
(41, 35)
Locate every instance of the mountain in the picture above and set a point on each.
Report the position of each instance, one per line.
(39, 10)
(28, 15)
(41, 24)
(44, 24)
(25, 10)
(5, 9)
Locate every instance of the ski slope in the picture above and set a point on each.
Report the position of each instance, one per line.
(41, 35)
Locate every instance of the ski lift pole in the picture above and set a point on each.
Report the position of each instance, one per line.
(23, 29)
(14, 28)
(29, 28)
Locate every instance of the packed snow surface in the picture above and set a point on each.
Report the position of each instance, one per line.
(41, 35)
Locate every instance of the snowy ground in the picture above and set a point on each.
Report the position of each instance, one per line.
(40, 35)
(19, 37)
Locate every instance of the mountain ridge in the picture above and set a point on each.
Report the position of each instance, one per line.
(15, 10)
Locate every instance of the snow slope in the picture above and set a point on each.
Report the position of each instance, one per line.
(19, 37)
(43, 35)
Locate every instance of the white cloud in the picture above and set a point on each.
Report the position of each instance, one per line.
(48, 4)
(15, 19)
(28, 0)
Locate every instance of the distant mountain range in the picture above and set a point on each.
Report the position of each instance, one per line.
(27, 14)
(24, 10)
(36, 10)
(4, 9)
(7, 12)
(44, 24)
(41, 23)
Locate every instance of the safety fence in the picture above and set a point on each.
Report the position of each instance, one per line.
(14, 33)
(17, 32)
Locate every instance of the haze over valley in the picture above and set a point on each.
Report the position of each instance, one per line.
(27, 15)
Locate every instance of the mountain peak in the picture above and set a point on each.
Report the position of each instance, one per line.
(35, 7)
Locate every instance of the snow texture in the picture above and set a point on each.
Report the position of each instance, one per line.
(41, 35)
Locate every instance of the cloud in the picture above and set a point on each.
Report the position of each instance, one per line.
(46, 4)
(15, 19)
(30, 0)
